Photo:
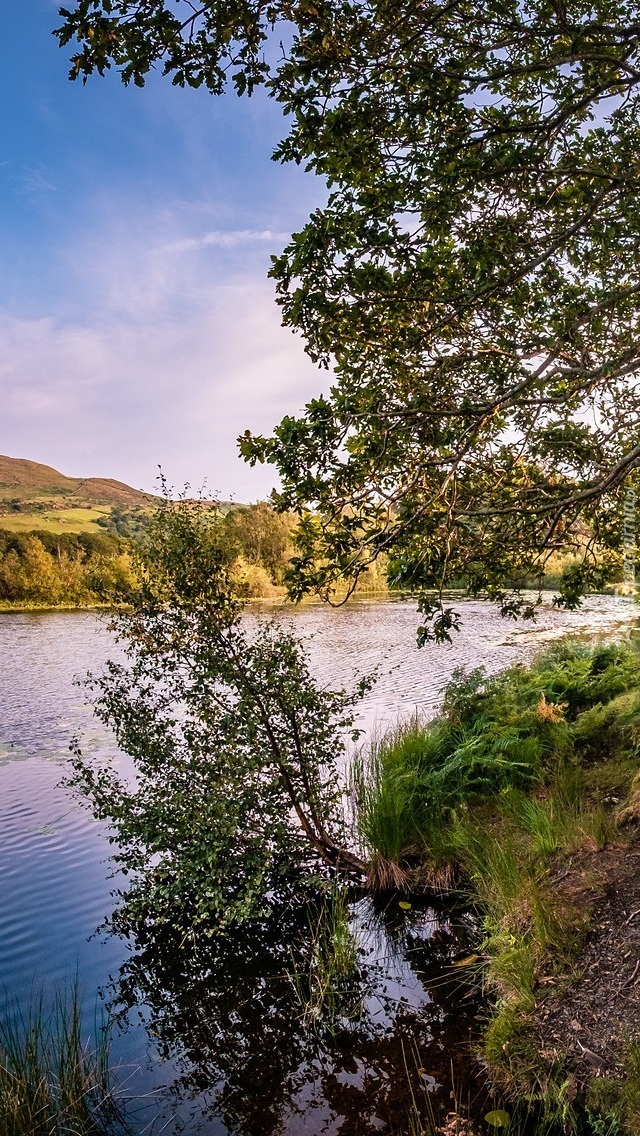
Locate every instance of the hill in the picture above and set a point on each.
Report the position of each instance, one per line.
(25, 483)
(37, 497)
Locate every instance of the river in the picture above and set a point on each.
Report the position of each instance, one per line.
(219, 1035)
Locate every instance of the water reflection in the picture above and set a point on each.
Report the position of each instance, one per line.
(233, 1007)
(250, 1062)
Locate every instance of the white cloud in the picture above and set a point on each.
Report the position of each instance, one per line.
(36, 182)
(163, 360)
(229, 239)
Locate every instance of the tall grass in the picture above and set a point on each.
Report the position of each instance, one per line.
(526, 729)
(519, 772)
(394, 809)
(52, 1080)
(324, 975)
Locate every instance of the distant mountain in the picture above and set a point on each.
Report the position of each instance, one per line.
(29, 482)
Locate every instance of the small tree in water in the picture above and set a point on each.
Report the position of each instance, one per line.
(236, 747)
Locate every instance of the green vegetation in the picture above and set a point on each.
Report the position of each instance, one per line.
(129, 522)
(52, 1082)
(326, 986)
(508, 796)
(56, 537)
(67, 561)
(260, 543)
(43, 569)
(238, 802)
(236, 747)
(613, 1106)
(522, 729)
(62, 558)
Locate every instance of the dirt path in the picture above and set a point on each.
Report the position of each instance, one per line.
(591, 1021)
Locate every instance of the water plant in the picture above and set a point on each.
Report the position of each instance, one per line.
(53, 1080)
(324, 974)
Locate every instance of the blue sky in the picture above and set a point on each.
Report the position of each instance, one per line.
(137, 326)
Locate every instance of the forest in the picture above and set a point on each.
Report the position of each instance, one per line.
(41, 568)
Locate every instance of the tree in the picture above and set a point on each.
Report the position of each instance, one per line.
(473, 280)
(261, 535)
(236, 749)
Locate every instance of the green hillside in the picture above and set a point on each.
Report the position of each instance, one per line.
(27, 484)
(37, 497)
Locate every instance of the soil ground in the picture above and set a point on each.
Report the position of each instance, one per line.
(589, 1022)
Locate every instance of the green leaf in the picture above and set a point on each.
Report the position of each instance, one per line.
(498, 1118)
(468, 961)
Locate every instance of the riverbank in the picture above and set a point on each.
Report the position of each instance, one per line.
(20, 608)
(524, 796)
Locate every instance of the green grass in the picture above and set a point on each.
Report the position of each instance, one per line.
(613, 1106)
(55, 520)
(53, 1081)
(324, 974)
(527, 739)
(392, 805)
(521, 775)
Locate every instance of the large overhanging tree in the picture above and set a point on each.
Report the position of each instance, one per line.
(473, 280)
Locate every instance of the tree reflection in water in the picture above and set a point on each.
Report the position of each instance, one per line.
(227, 1014)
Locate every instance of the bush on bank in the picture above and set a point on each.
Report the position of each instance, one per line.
(236, 747)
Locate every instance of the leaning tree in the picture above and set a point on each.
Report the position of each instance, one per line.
(235, 798)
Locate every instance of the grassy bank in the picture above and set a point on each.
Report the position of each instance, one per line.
(524, 796)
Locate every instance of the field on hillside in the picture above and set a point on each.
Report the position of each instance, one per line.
(56, 520)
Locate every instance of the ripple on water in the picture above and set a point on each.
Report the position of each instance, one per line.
(52, 871)
(54, 885)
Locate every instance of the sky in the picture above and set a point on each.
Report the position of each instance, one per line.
(137, 326)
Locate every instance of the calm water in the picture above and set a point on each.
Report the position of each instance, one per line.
(225, 1025)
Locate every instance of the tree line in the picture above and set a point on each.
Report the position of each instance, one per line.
(71, 568)
(103, 568)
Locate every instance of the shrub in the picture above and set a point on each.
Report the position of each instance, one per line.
(522, 728)
(236, 747)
